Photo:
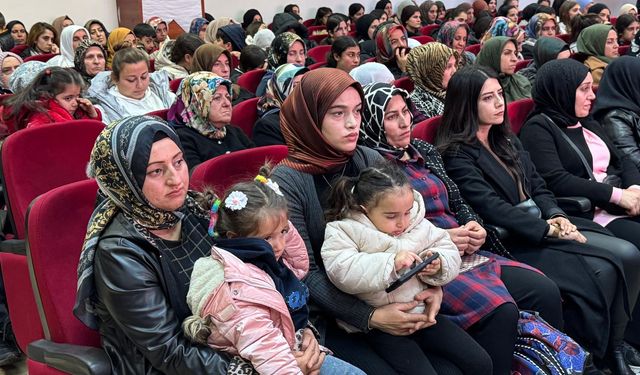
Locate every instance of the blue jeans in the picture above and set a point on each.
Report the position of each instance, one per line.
(336, 366)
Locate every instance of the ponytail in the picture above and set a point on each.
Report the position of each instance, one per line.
(197, 329)
(342, 199)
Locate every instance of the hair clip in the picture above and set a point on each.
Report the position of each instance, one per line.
(270, 183)
(47, 72)
(236, 201)
(213, 217)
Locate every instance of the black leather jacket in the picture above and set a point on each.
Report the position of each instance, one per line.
(139, 330)
(624, 129)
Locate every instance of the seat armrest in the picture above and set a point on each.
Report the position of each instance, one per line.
(72, 359)
(501, 232)
(13, 246)
(574, 205)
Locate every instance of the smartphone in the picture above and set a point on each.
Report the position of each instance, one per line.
(405, 49)
(411, 273)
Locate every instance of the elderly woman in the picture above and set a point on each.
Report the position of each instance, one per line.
(455, 35)
(9, 62)
(600, 44)
(70, 39)
(500, 54)
(90, 59)
(201, 117)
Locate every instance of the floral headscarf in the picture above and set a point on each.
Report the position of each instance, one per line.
(384, 52)
(501, 26)
(78, 60)
(4, 55)
(279, 87)
(196, 25)
(195, 94)
(280, 48)
(535, 25)
(24, 74)
(118, 163)
(376, 98)
(447, 32)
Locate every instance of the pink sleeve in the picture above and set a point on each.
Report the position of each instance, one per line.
(295, 255)
(616, 196)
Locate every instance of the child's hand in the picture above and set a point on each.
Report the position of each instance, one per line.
(432, 268)
(87, 107)
(405, 259)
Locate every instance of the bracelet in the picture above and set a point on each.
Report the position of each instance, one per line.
(369, 320)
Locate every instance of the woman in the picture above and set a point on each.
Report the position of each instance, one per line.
(198, 27)
(211, 33)
(386, 6)
(322, 15)
(502, 26)
(320, 122)
(267, 129)
(385, 128)
(129, 89)
(118, 38)
(201, 116)
(627, 27)
(140, 246)
(602, 10)
(628, 9)
(176, 57)
(499, 54)
(600, 44)
(365, 29)
(41, 40)
(493, 7)
(89, 60)
(356, 11)
(411, 20)
(336, 27)
(380, 15)
(541, 25)
(579, 23)
(18, 32)
(9, 62)
(429, 12)
(545, 50)
(251, 16)
(430, 67)
(344, 55)
(455, 35)
(618, 108)
(391, 47)
(60, 23)
(568, 10)
(497, 178)
(286, 48)
(97, 32)
(70, 39)
(480, 9)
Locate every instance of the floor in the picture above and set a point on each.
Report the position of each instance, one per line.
(18, 368)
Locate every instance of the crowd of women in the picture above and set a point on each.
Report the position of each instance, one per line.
(286, 273)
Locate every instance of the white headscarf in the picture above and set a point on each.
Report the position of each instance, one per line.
(65, 59)
(372, 72)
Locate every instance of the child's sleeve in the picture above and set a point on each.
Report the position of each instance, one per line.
(295, 254)
(438, 240)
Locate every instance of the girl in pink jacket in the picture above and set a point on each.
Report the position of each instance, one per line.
(247, 298)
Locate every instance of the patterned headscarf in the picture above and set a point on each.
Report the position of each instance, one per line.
(4, 55)
(195, 94)
(24, 74)
(384, 52)
(118, 163)
(426, 65)
(196, 25)
(301, 118)
(376, 98)
(593, 39)
(279, 86)
(280, 48)
(501, 26)
(81, 51)
(535, 24)
(447, 32)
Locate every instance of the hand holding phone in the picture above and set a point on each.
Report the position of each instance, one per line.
(411, 273)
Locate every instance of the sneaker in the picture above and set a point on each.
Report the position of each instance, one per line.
(8, 354)
(631, 356)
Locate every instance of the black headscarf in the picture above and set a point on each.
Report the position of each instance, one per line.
(381, 4)
(362, 26)
(619, 86)
(597, 8)
(554, 92)
(247, 19)
(547, 49)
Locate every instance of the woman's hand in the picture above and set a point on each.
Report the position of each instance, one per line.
(309, 358)
(574, 236)
(395, 319)
(402, 54)
(630, 201)
(563, 224)
(432, 298)
(87, 107)
(461, 238)
(477, 236)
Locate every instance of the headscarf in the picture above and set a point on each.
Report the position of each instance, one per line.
(384, 52)
(212, 28)
(535, 24)
(4, 55)
(597, 8)
(555, 90)
(624, 9)
(236, 34)
(88, 24)
(280, 48)
(381, 4)
(196, 25)
(376, 98)
(206, 55)
(118, 162)
(635, 46)
(24, 74)
(248, 16)
(593, 39)
(371, 72)
(264, 38)
(154, 21)
(116, 38)
(425, 66)
(362, 26)
(78, 60)
(479, 6)
(619, 87)
(279, 86)
(301, 118)
(424, 11)
(514, 86)
(67, 54)
(501, 26)
(194, 100)
(447, 32)
(547, 49)
(58, 23)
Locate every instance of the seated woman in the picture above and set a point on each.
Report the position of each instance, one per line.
(356, 11)
(411, 20)
(500, 54)
(454, 34)
(579, 23)
(344, 55)
(628, 9)
(140, 249)
(430, 67)
(385, 127)
(59, 23)
(599, 43)
(429, 12)
(336, 27)
(541, 25)
(266, 130)
(391, 47)
(198, 27)
(70, 39)
(41, 40)
(497, 178)
(90, 59)
(502, 26)
(602, 10)
(9, 62)
(566, 12)
(545, 50)
(18, 32)
(176, 56)
(97, 32)
(618, 106)
(119, 38)
(129, 89)
(365, 29)
(372, 72)
(286, 48)
(201, 116)
(627, 27)
(322, 15)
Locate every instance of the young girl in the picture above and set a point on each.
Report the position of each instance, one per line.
(247, 298)
(53, 96)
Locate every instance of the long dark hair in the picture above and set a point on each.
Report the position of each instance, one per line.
(460, 121)
(338, 46)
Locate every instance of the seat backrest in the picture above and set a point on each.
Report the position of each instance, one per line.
(522, 64)
(152, 65)
(251, 79)
(174, 84)
(245, 114)
(319, 53)
(565, 37)
(474, 48)
(429, 29)
(518, 112)
(34, 161)
(162, 113)
(423, 39)
(44, 57)
(613, 21)
(309, 23)
(225, 170)
(427, 129)
(317, 65)
(404, 83)
(56, 226)
(623, 50)
(312, 29)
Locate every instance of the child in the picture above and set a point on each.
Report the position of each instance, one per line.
(259, 311)
(53, 96)
(145, 35)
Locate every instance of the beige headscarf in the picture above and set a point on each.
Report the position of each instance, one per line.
(212, 28)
